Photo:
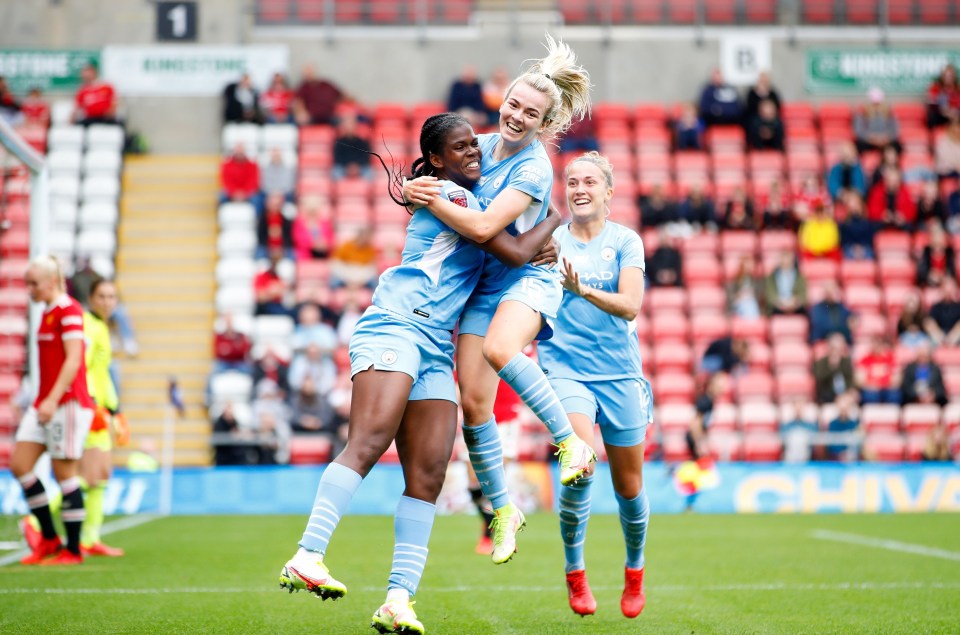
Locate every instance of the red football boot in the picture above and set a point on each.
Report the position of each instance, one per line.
(633, 599)
(45, 548)
(578, 590)
(100, 549)
(64, 557)
(31, 534)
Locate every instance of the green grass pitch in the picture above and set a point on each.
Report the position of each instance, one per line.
(705, 574)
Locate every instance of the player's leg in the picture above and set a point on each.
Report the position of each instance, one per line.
(95, 467)
(484, 508)
(23, 460)
(424, 443)
(514, 326)
(379, 399)
(478, 391)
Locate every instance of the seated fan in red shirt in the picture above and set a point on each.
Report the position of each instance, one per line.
(96, 101)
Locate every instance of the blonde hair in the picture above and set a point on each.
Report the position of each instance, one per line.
(596, 159)
(51, 266)
(558, 76)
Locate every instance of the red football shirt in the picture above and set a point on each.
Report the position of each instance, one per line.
(95, 100)
(62, 321)
(277, 102)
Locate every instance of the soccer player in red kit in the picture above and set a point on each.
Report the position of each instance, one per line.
(60, 417)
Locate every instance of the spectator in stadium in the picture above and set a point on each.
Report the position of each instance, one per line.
(316, 100)
(937, 260)
(739, 214)
(930, 207)
(277, 176)
(943, 323)
(726, 354)
(351, 152)
(720, 102)
(943, 97)
(231, 348)
(80, 283)
(856, 231)
(35, 109)
(877, 374)
(313, 229)
(833, 373)
(493, 91)
(312, 413)
(314, 362)
(937, 444)
(846, 175)
(910, 324)
(830, 315)
(95, 101)
(762, 91)
(946, 150)
(240, 178)
(277, 101)
(890, 203)
(889, 158)
(846, 422)
(765, 129)
(923, 379)
(777, 208)
(810, 194)
(231, 443)
(241, 102)
(698, 211)
(466, 97)
(580, 137)
(273, 436)
(797, 432)
(9, 106)
(269, 365)
(696, 436)
(274, 229)
(689, 129)
(354, 261)
(351, 314)
(786, 288)
(311, 329)
(665, 266)
(744, 291)
(875, 126)
(819, 235)
(270, 290)
(656, 209)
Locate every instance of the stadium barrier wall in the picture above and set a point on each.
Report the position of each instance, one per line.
(738, 488)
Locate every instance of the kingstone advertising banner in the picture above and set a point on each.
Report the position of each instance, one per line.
(189, 70)
(739, 488)
(50, 71)
(854, 71)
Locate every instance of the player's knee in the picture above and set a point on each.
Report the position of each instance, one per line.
(362, 455)
(629, 488)
(476, 409)
(427, 481)
(497, 354)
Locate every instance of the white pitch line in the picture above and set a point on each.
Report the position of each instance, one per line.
(8, 545)
(889, 545)
(113, 526)
(836, 586)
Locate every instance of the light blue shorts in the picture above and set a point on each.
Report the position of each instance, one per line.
(622, 407)
(541, 294)
(385, 341)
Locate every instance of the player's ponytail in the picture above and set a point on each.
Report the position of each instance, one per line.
(558, 76)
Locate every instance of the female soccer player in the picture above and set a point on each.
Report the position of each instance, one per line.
(594, 365)
(60, 416)
(403, 389)
(510, 308)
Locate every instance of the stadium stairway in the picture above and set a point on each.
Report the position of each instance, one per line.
(165, 276)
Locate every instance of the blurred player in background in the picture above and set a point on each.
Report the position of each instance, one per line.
(511, 308)
(60, 417)
(593, 362)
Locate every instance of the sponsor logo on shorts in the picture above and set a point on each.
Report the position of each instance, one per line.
(389, 357)
(607, 254)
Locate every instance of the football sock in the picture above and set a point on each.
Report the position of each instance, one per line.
(39, 504)
(72, 512)
(574, 514)
(476, 495)
(486, 455)
(412, 524)
(337, 487)
(634, 516)
(531, 385)
(93, 501)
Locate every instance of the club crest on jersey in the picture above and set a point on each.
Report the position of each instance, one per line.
(607, 254)
(458, 196)
(497, 182)
(389, 357)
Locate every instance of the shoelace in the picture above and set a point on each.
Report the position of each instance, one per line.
(499, 527)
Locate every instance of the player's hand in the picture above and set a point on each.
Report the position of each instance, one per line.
(420, 191)
(548, 255)
(571, 279)
(46, 410)
(121, 429)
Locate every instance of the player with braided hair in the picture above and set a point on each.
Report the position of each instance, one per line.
(512, 307)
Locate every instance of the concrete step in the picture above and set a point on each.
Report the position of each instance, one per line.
(186, 428)
(145, 293)
(193, 336)
(197, 225)
(167, 368)
(185, 240)
(154, 382)
(163, 281)
(136, 185)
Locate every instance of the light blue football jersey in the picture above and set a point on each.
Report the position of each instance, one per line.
(590, 344)
(438, 269)
(529, 171)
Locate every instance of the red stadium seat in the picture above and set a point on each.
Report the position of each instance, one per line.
(937, 12)
(703, 243)
(777, 241)
(759, 417)
(761, 11)
(884, 447)
(6, 449)
(668, 299)
(711, 300)
(672, 357)
(606, 112)
(835, 111)
(760, 357)
(724, 446)
(674, 417)
(915, 445)
(818, 11)
(863, 298)
(670, 326)
(789, 327)
(706, 328)
(752, 330)
(649, 114)
(870, 325)
(898, 271)
(947, 357)
(309, 450)
(880, 418)
(858, 271)
(861, 11)
(755, 386)
(792, 355)
(819, 270)
(669, 388)
(726, 139)
(725, 418)
(738, 242)
(762, 446)
(795, 384)
(920, 418)
(675, 448)
(697, 270)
